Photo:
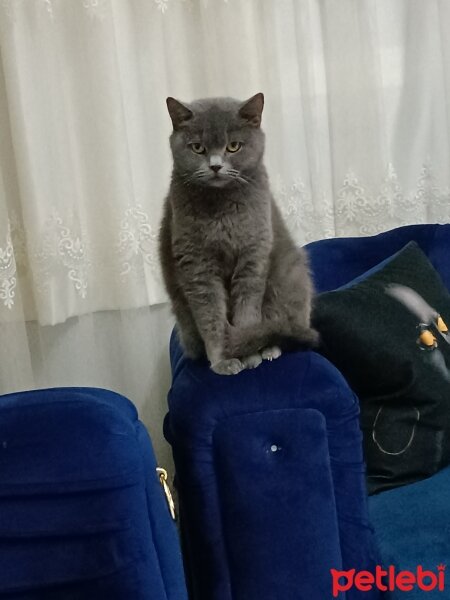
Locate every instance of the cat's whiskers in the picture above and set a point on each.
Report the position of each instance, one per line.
(185, 177)
(199, 174)
(189, 178)
(236, 175)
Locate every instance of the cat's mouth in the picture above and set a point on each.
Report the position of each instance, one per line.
(226, 177)
(218, 180)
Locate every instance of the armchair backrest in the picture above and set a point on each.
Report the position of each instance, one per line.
(337, 261)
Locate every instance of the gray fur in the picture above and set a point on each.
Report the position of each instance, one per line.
(239, 286)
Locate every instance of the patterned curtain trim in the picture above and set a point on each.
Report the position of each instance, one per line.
(98, 9)
(8, 273)
(64, 251)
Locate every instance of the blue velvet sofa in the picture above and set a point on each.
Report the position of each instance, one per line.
(82, 513)
(270, 471)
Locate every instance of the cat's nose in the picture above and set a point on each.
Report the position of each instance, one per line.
(215, 168)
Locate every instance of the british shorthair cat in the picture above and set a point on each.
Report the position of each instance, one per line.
(239, 286)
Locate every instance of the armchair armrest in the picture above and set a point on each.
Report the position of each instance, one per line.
(270, 477)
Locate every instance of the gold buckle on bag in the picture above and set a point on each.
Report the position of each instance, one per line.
(162, 475)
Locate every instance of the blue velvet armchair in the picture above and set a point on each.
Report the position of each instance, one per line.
(82, 512)
(269, 463)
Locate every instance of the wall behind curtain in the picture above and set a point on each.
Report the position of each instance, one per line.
(356, 117)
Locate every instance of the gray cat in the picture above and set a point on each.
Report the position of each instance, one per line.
(240, 288)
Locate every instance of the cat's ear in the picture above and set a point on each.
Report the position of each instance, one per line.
(251, 110)
(179, 113)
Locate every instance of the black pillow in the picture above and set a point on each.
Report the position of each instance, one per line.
(386, 332)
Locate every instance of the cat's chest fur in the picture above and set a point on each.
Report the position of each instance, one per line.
(224, 232)
(230, 230)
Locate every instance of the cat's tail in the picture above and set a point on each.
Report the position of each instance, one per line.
(287, 335)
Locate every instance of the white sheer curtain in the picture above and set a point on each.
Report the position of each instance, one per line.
(357, 95)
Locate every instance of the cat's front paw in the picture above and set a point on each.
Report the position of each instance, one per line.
(228, 366)
(271, 353)
(252, 361)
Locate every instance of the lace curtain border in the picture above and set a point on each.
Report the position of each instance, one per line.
(64, 246)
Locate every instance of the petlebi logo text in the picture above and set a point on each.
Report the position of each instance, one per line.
(388, 579)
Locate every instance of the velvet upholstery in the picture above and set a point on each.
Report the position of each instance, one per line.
(336, 261)
(82, 513)
(270, 478)
(412, 525)
(269, 463)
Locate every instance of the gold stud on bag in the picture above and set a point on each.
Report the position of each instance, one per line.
(427, 340)
(162, 475)
(441, 325)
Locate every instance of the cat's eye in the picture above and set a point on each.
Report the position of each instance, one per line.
(197, 148)
(234, 146)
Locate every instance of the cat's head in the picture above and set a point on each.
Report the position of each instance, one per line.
(217, 142)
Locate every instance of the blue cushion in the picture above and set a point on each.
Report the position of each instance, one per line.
(412, 528)
(82, 514)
